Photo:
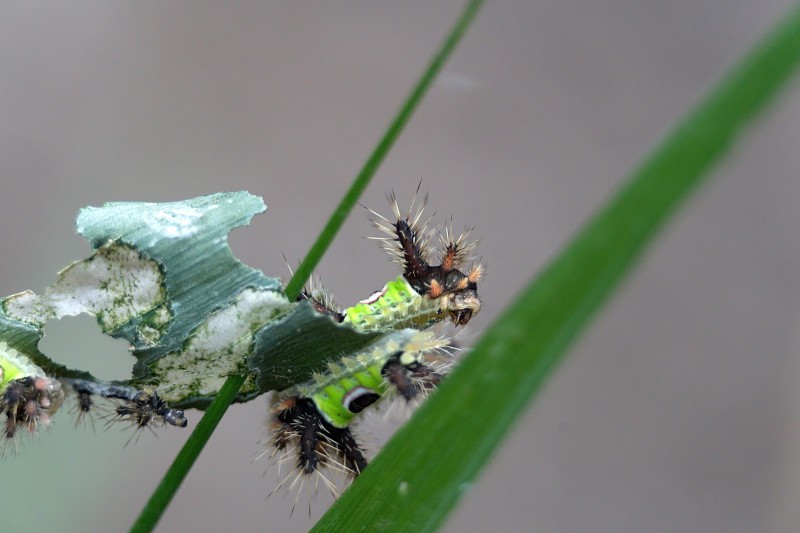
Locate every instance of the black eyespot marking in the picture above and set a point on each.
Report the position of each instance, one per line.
(359, 399)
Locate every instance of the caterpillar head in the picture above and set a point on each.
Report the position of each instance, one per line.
(457, 292)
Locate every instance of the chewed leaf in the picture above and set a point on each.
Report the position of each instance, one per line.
(189, 242)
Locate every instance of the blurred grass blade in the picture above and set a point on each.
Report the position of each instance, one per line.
(422, 472)
(183, 462)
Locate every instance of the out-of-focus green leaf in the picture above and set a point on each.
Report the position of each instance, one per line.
(422, 472)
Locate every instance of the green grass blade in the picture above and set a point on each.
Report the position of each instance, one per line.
(419, 476)
(183, 462)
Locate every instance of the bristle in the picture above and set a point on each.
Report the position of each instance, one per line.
(407, 236)
(455, 251)
(476, 272)
(435, 289)
(322, 300)
(84, 409)
(314, 291)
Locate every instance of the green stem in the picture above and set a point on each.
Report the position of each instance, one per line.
(183, 462)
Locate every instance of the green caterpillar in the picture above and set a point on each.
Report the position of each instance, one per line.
(382, 349)
(313, 418)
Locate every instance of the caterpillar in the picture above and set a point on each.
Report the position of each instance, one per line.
(312, 420)
(379, 348)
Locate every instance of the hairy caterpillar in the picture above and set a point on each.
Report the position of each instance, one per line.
(312, 419)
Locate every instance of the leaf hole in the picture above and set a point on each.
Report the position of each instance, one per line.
(78, 343)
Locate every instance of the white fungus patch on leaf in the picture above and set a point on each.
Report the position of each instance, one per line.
(116, 284)
(150, 333)
(218, 347)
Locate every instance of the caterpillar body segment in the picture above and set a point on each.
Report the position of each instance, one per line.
(310, 424)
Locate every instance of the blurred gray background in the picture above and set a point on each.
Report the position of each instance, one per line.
(678, 410)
